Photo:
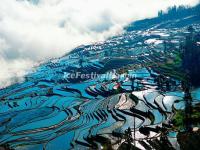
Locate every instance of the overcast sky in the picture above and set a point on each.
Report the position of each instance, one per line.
(35, 30)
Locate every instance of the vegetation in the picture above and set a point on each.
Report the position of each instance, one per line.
(175, 12)
(185, 63)
(189, 141)
(172, 13)
(172, 67)
(191, 59)
(179, 118)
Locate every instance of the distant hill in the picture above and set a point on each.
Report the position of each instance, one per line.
(175, 17)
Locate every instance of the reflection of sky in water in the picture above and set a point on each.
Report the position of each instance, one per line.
(196, 94)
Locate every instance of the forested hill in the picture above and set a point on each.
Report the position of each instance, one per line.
(174, 17)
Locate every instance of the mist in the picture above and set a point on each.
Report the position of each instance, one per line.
(37, 30)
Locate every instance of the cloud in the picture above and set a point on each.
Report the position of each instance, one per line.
(34, 30)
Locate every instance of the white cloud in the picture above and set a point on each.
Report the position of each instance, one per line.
(12, 71)
(31, 32)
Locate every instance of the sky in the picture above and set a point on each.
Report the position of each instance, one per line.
(32, 31)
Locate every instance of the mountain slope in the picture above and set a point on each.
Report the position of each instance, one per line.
(63, 102)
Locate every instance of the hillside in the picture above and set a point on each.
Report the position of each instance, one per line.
(116, 94)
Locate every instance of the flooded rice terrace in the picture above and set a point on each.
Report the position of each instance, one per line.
(52, 110)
